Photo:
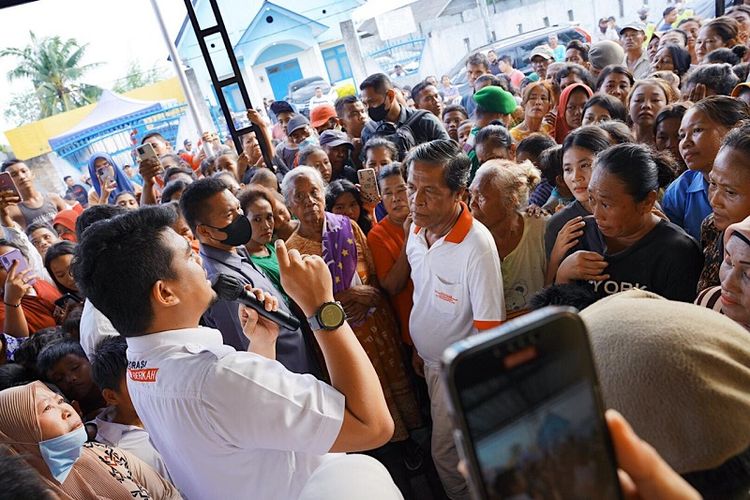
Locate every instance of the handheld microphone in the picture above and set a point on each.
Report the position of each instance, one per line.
(231, 289)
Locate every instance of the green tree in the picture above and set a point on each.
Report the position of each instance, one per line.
(54, 67)
(23, 108)
(136, 77)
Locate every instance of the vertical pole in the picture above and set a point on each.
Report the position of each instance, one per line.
(178, 69)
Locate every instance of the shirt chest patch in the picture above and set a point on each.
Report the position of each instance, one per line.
(138, 371)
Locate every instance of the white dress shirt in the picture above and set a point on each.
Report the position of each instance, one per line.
(94, 327)
(230, 424)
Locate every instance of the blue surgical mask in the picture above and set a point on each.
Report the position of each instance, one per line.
(61, 453)
(310, 141)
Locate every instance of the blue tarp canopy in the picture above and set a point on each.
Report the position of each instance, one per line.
(111, 110)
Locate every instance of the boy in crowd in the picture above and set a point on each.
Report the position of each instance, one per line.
(118, 425)
(65, 364)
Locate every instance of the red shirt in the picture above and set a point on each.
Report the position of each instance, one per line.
(386, 241)
(39, 310)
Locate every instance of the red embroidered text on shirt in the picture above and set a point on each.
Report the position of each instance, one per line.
(143, 375)
(446, 297)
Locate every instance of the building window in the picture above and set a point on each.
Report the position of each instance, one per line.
(337, 63)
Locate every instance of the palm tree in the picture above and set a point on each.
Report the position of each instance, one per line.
(54, 67)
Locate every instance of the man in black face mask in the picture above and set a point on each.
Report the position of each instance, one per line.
(216, 219)
(405, 127)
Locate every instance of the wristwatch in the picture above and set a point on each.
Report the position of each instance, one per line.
(329, 316)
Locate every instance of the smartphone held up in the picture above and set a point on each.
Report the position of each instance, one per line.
(528, 413)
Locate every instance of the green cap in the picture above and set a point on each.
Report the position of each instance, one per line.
(495, 100)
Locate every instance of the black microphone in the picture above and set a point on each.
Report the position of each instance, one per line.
(231, 289)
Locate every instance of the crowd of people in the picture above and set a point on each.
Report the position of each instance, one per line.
(615, 178)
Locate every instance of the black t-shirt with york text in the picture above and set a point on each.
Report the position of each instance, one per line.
(667, 261)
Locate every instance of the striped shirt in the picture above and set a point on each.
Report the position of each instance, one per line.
(710, 298)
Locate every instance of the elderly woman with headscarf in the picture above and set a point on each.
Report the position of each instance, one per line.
(108, 180)
(343, 246)
(47, 433)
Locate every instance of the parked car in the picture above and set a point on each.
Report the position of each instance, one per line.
(300, 92)
(518, 47)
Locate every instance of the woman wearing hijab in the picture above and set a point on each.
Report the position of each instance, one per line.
(103, 168)
(48, 434)
(570, 109)
(732, 297)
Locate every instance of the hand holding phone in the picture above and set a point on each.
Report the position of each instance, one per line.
(149, 164)
(8, 188)
(368, 185)
(20, 277)
(526, 404)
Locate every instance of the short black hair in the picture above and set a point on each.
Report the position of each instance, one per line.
(380, 142)
(379, 82)
(171, 189)
(568, 294)
(390, 170)
(419, 87)
(577, 70)
(15, 374)
(478, 59)
(614, 106)
(55, 351)
(193, 201)
(448, 155)
(550, 163)
(153, 134)
(497, 136)
(20, 480)
(95, 214)
(58, 250)
(341, 103)
(67, 177)
(9, 163)
(580, 46)
(39, 225)
(455, 107)
(28, 352)
(341, 186)
(109, 362)
(131, 249)
(534, 144)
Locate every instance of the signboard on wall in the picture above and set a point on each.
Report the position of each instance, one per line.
(396, 23)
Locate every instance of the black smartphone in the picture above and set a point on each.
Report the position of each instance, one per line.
(63, 301)
(528, 412)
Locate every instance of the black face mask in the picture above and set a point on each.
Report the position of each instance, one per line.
(377, 113)
(238, 231)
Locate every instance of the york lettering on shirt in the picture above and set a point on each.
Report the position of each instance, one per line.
(612, 287)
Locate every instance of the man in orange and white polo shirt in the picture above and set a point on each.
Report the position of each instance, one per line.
(458, 286)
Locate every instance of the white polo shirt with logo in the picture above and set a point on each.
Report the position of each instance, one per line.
(230, 424)
(458, 286)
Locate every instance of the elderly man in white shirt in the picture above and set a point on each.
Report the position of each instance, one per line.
(228, 424)
(458, 285)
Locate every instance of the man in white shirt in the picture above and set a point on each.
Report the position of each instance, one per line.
(94, 326)
(636, 60)
(458, 286)
(228, 424)
(318, 99)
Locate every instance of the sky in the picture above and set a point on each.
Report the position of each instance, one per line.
(118, 32)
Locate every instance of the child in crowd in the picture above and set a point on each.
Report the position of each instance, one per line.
(118, 424)
(64, 363)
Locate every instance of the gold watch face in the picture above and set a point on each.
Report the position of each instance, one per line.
(331, 315)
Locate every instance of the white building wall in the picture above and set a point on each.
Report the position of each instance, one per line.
(310, 63)
(445, 36)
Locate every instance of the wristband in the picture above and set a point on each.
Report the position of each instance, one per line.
(12, 305)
